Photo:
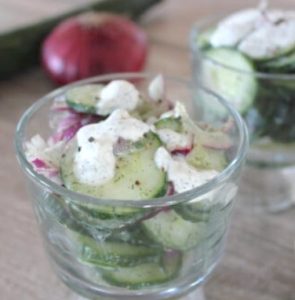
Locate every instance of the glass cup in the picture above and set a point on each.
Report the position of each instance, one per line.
(267, 180)
(112, 258)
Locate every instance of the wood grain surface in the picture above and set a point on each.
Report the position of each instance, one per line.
(259, 262)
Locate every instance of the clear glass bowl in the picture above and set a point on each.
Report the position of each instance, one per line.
(270, 121)
(89, 254)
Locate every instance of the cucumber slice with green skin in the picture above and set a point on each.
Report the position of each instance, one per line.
(274, 111)
(58, 210)
(171, 123)
(207, 158)
(151, 109)
(134, 235)
(55, 207)
(282, 64)
(97, 217)
(174, 232)
(235, 87)
(147, 274)
(203, 38)
(109, 253)
(84, 98)
(204, 211)
(137, 177)
(195, 212)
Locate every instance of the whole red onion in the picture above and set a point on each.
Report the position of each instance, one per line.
(92, 44)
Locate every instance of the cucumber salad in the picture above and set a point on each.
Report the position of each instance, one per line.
(113, 142)
(249, 58)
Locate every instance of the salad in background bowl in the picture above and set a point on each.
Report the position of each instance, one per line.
(248, 57)
(132, 193)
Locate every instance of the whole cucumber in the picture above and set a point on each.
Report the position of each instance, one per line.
(19, 48)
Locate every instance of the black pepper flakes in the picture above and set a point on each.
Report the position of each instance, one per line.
(137, 182)
(91, 139)
(79, 149)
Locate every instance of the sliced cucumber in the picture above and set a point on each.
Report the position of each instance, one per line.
(96, 217)
(150, 109)
(114, 253)
(134, 235)
(214, 214)
(173, 231)
(239, 88)
(147, 274)
(206, 158)
(282, 64)
(171, 123)
(203, 38)
(84, 98)
(55, 207)
(274, 112)
(195, 212)
(137, 177)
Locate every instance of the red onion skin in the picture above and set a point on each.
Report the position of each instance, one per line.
(105, 44)
(184, 151)
(39, 163)
(170, 189)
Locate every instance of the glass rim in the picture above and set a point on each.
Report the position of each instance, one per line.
(218, 180)
(202, 24)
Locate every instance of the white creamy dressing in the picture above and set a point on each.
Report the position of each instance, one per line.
(234, 28)
(180, 173)
(156, 88)
(174, 140)
(270, 40)
(95, 163)
(258, 34)
(118, 94)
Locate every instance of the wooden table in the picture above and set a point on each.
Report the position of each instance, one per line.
(259, 262)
